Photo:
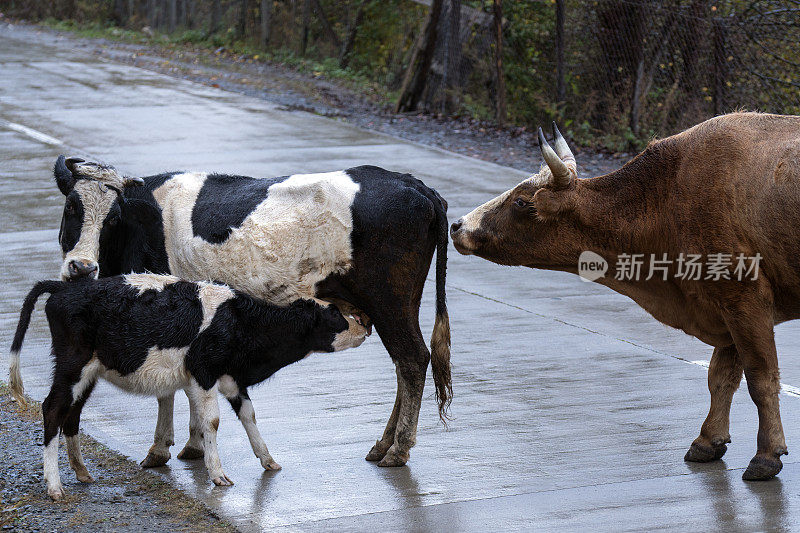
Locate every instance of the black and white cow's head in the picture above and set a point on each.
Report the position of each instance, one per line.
(93, 209)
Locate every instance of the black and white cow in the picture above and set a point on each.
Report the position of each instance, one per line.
(363, 236)
(154, 334)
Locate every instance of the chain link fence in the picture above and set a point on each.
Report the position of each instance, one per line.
(612, 72)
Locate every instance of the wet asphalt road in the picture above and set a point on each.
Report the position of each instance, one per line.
(573, 408)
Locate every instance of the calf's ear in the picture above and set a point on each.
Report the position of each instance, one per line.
(140, 212)
(64, 178)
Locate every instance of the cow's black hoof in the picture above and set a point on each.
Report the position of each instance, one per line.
(699, 453)
(189, 453)
(762, 468)
(378, 451)
(152, 460)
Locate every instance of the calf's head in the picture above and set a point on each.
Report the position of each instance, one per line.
(93, 208)
(335, 331)
(529, 224)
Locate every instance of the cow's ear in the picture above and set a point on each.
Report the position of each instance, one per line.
(64, 178)
(140, 212)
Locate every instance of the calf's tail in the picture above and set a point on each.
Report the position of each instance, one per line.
(14, 376)
(440, 339)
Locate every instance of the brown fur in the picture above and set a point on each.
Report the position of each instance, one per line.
(728, 185)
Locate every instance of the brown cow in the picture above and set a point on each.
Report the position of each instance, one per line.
(726, 191)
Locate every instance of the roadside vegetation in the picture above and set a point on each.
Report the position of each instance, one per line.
(614, 74)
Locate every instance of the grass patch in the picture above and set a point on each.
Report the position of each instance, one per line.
(227, 45)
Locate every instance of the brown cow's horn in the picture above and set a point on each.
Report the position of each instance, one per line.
(561, 146)
(561, 174)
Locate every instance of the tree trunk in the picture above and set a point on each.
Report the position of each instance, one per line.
(347, 49)
(421, 59)
(720, 66)
(326, 25)
(216, 14)
(304, 30)
(498, 56)
(266, 18)
(242, 24)
(561, 91)
(173, 14)
(452, 73)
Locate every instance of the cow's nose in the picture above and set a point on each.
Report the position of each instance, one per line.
(456, 225)
(81, 269)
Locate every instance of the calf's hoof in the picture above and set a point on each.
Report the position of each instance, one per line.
(394, 458)
(152, 460)
(762, 467)
(56, 493)
(700, 453)
(85, 477)
(222, 481)
(378, 451)
(188, 453)
(270, 464)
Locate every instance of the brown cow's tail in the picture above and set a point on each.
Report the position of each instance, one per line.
(440, 339)
(14, 375)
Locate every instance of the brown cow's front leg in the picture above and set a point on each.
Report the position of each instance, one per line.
(382, 446)
(724, 376)
(752, 329)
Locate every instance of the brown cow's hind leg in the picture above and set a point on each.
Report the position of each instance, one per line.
(752, 330)
(724, 376)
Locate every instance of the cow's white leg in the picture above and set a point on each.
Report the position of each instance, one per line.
(208, 411)
(247, 416)
(194, 446)
(51, 475)
(164, 435)
(243, 407)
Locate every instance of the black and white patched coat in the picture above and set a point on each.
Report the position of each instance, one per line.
(362, 237)
(155, 334)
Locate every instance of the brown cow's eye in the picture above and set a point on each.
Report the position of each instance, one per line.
(519, 202)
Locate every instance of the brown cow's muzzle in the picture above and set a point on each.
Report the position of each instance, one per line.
(460, 238)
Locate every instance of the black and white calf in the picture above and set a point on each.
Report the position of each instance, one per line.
(154, 334)
(364, 236)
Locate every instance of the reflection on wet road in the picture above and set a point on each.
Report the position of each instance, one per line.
(573, 409)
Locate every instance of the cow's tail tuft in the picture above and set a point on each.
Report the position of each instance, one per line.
(14, 375)
(440, 339)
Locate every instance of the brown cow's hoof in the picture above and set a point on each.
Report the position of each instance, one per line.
(699, 453)
(761, 468)
(152, 460)
(378, 451)
(188, 453)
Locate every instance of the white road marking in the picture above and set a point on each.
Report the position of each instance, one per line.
(33, 134)
(789, 390)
